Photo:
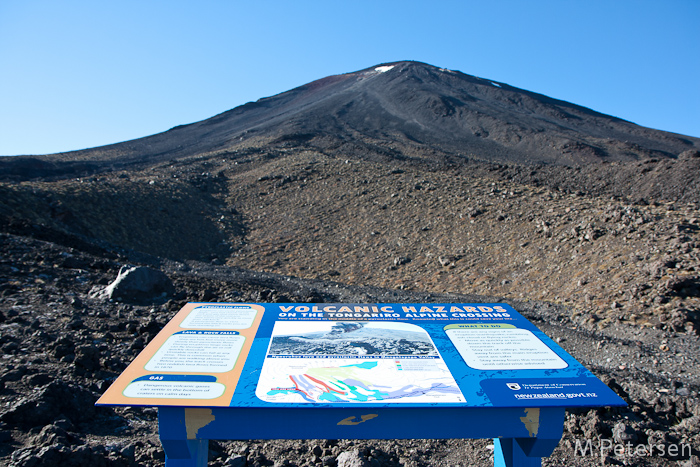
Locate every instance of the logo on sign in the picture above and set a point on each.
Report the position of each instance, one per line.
(513, 386)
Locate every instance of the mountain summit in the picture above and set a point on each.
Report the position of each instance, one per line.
(400, 110)
(414, 104)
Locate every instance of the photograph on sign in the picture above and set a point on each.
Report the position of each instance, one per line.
(347, 361)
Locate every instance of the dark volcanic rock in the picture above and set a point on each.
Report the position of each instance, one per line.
(49, 403)
(57, 454)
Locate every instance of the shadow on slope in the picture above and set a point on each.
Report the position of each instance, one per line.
(181, 220)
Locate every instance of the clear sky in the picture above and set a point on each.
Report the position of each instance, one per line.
(77, 74)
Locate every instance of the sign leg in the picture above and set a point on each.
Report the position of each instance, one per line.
(508, 453)
(199, 449)
(180, 451)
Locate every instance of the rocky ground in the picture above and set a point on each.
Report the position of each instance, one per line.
(449, 231)
(61, 348)
(616, 283)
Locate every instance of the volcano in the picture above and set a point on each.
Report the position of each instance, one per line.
(400, 110)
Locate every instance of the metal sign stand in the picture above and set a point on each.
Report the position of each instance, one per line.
(186, 442)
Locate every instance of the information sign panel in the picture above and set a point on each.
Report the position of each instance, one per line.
(290, 355)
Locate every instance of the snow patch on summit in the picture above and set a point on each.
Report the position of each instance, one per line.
(384, 69)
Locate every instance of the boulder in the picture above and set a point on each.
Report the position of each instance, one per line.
(353, 458)
(137, 284)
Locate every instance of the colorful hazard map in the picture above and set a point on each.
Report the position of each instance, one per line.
(354, 362)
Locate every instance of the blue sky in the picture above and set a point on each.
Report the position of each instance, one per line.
(77, 74)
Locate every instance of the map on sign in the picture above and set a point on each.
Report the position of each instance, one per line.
(349, 361)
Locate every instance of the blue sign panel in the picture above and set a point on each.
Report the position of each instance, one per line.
(290, 355)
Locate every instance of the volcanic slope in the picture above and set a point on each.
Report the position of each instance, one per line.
(402, 110)
(309, 215)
